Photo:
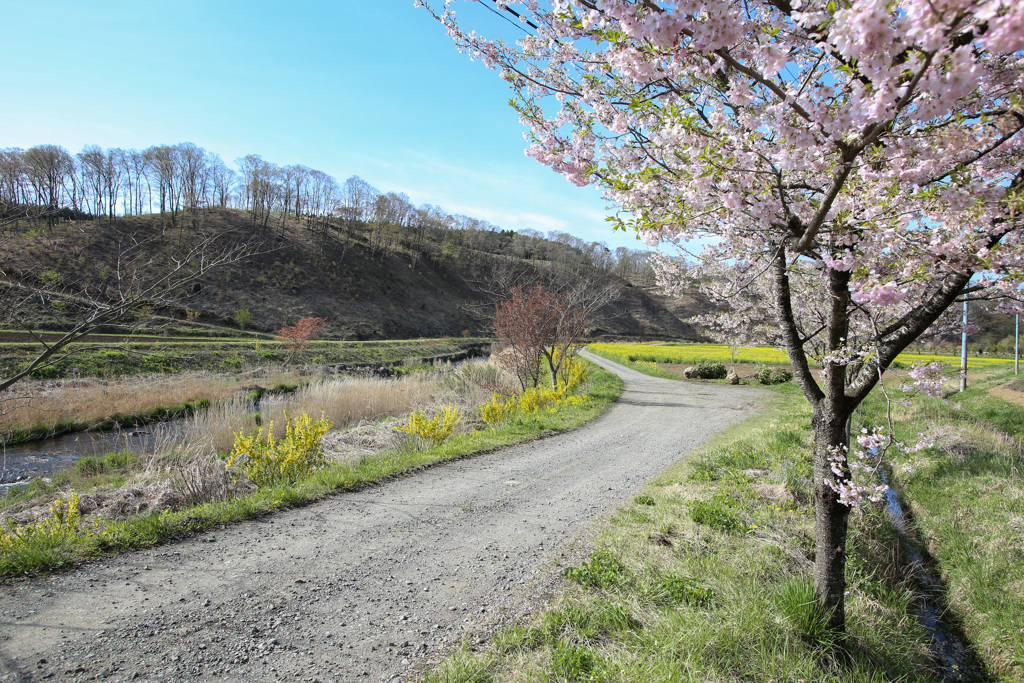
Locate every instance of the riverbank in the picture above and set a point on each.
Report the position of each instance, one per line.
(109, 399)
(220, 500)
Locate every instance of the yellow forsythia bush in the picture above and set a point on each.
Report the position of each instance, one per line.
(503, 408)
(61, 525)
(498, 409)
(575, 372)
(433, 429)
(266, 460)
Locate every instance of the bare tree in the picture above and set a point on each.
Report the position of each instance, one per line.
(50, 169)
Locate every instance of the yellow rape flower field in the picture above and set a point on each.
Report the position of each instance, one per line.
(691, 354)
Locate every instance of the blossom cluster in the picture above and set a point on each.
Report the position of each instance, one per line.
(842, 464)
(927, 378)
(880, 139)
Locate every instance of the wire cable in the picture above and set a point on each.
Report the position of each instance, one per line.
(517, 15)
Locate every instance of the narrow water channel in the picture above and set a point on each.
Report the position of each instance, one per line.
(955, 655)
(46, 457)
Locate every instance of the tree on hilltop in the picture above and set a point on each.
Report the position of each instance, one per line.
(861, 162)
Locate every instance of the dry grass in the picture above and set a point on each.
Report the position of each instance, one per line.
(33, 405)
(209, 431)
(348, 402)
(183, 466)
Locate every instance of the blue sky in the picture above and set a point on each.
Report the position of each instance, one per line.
(352, 87)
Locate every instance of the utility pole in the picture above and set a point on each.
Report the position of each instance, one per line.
(963, 352)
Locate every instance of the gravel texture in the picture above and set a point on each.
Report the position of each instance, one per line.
(367, 586)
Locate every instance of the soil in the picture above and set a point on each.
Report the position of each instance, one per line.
(368, 586)
(1012, 392)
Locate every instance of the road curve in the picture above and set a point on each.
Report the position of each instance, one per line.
(361, 586)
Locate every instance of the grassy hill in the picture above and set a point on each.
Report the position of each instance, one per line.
(369, 281)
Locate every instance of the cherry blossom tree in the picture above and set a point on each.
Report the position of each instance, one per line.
(862, 162)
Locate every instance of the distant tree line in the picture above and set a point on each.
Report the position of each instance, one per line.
(49, 183)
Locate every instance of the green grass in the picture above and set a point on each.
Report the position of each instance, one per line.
(665, 596)
(147, 530)
(967, 498)
(712, 582)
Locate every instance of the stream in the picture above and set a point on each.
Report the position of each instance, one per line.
(20, 463)
(46, 457)
(954, 653)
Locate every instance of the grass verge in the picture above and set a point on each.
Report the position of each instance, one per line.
(53, 551)
(705, 576)
(966, 495)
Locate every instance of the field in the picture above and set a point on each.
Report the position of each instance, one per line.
(691, 354)
(106, 358)
(108, 383)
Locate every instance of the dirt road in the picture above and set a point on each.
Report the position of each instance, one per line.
(365, 586)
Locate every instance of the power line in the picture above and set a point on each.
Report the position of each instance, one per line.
(511, 11)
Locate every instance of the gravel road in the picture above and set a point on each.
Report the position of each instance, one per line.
(367, 586)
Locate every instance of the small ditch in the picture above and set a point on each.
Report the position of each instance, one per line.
(957, 659)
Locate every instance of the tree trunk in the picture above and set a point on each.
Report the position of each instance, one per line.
(832, 439)
(830, 516)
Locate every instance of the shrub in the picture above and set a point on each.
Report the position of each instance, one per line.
(434, 429)
(60, 526)
(709, 370)
(572, 372)
(499, 409)
(772, 375)
(267, 461)
(529, 403)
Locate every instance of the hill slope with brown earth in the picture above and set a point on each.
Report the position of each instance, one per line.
(369, 282)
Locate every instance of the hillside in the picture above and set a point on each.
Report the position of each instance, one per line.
(370, 281)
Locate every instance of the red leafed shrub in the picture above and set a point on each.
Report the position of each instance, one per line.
(302, 332)
(533, 326)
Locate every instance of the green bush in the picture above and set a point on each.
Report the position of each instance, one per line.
(573, 663)
(682, 590)
(797, 602)
(100, 464)
(709, 370)
(767, 374)
(158, 363)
